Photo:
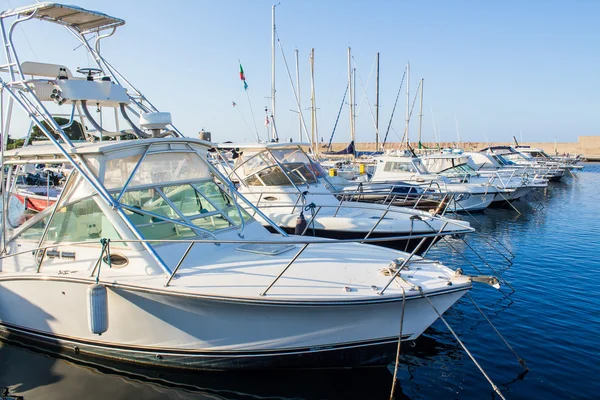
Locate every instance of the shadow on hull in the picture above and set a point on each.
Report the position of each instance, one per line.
(406, 245)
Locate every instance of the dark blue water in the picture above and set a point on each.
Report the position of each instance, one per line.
(552, 320)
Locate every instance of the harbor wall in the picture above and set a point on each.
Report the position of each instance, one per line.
(587, 146)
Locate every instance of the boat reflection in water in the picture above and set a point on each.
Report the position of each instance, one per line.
(33, 373)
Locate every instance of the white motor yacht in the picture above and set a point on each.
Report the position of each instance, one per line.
(147, 256)
(288, 186)
(466, 196)
(564, 162)
(455, 166)
(515, 159)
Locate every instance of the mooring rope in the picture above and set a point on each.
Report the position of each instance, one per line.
(496, 389)
(500, 278)
(521, 361)
(492, 236)
(399, 344)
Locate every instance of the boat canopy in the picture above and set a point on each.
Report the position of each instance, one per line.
(164, 187)
(274, 164)
(78, 18)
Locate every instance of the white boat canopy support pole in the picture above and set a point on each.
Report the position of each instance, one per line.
(407, 102)
(298, 95)
(421, 113)
(273, 132)
(351, 96)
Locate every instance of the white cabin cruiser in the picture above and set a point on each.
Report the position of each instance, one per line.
(515, 159)
(487, 164)
(466, 196)
(455, 166)
(287, 185)
(565, 162)
(146, 259)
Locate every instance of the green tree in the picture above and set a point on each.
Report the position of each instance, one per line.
(74, 132)
(14, 143)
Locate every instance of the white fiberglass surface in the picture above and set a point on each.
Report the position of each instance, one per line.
(319, 272)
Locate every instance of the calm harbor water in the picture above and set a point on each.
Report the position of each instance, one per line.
(552, 320)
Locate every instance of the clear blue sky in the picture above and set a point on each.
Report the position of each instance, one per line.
(494, 68)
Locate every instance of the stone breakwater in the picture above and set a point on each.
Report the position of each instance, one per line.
(587, 146)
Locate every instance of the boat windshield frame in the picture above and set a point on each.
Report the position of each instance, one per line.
(288, 166)
(215, 203)
(458, 170)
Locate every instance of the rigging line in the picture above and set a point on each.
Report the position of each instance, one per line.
(253, 118)
(362, 84)
(338, 117)
(434, 129)
(411, 111)
(393, 110)
(293, 87)
(365, 92)
(244, 119)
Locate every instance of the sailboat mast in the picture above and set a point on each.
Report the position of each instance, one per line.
(298, 93)
(377, 105)
(407, 102)
(313, 109)
(351, 96)
(421, 113)
(354, 101)
(273, 133)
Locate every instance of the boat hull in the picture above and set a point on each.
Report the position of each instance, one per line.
(35, 202)
(406, 245)
(174, 331)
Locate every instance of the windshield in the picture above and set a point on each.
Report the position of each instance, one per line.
(516, 157)
(461, 169)
(283, 167)
(502, 160)
(539, 154)
(168, 195)
(411, 166)
(179, 211)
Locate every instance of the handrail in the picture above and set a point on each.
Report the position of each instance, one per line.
(288, 240)
(187, 251)
(311, 221)
(305, 243)
(399, 210)
(264, 293)
(377, 223)
(399, 270)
